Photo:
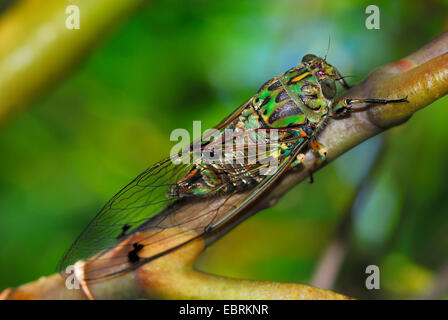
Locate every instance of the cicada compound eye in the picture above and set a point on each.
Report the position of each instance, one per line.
(308, 58)
(328, 88)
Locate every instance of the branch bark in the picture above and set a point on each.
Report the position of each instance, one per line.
(422, 77)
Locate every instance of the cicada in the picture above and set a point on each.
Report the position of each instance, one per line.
(286, 114)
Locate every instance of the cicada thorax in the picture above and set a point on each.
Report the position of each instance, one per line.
(275, 106)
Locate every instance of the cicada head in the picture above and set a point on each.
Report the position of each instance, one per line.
(325, 72)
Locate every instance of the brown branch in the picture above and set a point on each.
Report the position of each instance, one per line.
(422, 76)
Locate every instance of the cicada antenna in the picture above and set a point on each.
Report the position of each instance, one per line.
(328, 48)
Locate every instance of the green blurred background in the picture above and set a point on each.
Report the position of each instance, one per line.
(176, 61)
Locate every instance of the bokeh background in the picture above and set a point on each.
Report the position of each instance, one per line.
(108, 117)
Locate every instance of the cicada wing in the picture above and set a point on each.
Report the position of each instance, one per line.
(140, 200)
(172, 228)
(177, 224)
(269, 180)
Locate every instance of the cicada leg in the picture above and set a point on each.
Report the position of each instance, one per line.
(344, 105)
(301, 156)
(322, 151)
(299, 159)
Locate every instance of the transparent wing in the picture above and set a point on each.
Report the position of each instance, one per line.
(141, 199)
(143, 222)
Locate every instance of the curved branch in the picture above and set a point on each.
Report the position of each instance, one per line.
(422, 77)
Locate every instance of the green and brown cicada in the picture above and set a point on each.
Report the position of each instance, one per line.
(286, 114)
